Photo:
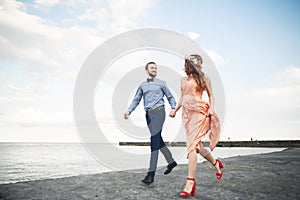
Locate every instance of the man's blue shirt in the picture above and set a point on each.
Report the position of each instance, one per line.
(153, 93)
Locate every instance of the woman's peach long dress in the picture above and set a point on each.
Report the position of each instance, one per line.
(196, 118)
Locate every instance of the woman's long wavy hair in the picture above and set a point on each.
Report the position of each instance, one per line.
(195, 71)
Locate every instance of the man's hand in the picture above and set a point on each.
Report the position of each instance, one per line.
(126, 115)
(172, 113)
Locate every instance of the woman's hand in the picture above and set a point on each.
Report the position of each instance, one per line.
(211, 111)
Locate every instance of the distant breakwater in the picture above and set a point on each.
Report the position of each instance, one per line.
(256, 143)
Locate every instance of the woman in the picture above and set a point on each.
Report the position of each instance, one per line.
(198, 118)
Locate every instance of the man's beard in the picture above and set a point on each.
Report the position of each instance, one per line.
(152, 75)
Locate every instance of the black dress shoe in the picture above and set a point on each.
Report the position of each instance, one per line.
(170, 167)
(149, 178)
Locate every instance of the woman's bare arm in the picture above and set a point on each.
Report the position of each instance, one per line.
(210, 94)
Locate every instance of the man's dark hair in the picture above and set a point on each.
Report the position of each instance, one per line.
(146, 67)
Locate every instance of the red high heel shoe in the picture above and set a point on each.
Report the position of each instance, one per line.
(219, 175)
(193, 192)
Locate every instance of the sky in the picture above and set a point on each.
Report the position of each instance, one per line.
(44, 43)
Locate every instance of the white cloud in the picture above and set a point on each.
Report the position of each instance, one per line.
(216, 58)
(13, 16)
(12, 5)
(291, 75)
(24, 36)
(94, 14)
(115, 16)
(37, 117)
(46, 3)
(193, 35)
(131, 9)
(13, 87)
(29, 89)
(45, 54)
(271, 111)
(31, 38)
(8, 100)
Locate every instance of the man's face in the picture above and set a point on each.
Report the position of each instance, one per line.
(152, 70)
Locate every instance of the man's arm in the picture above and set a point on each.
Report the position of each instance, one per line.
(178, 106)
(135, 102)
(169, 95)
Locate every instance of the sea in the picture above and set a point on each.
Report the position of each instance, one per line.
(21, 162)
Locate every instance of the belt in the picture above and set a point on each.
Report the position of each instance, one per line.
(155, 108)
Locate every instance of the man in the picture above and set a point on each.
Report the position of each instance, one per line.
(153, 91)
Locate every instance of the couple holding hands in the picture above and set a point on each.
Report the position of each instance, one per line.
(198, 118)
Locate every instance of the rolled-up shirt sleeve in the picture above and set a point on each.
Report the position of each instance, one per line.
(169, 95)
(136, 100)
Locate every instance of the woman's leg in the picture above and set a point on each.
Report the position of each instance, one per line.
(208, 156)
(192, 170)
